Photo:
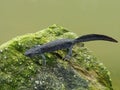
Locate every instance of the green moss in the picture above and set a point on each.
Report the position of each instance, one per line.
(82, 72)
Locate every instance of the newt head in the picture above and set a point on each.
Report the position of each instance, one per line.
(33, 51)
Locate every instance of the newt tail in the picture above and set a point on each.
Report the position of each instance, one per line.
(93, 37)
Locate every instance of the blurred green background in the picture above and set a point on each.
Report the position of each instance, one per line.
(18, 17)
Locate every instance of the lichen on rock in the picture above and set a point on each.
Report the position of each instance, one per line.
(18, 72)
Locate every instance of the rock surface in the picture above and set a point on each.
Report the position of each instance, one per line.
(18, 72)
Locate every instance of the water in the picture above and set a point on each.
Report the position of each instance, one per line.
(18, 17)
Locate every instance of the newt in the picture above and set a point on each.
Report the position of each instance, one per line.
(64, 44)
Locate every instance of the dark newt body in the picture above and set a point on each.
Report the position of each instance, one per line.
(49, 47)
(64, 44)
(56, 45)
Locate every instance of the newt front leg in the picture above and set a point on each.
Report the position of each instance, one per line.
(69, 54)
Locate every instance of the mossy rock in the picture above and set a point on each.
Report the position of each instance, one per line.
(18, 72)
